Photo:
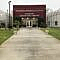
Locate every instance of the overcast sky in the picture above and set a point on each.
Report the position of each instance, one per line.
(53, 4)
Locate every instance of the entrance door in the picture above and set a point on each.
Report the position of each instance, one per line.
(28, 23)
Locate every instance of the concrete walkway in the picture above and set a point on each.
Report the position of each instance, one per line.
(30, 44)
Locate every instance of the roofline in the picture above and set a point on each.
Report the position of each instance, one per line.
(31, 5)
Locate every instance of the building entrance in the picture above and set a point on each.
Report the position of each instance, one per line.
(28, 23)
(30, 15)
(31, 22)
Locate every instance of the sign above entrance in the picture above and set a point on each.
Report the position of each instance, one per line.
(29, 10)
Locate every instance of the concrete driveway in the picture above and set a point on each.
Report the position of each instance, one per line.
(30, 44)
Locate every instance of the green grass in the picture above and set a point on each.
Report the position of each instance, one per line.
(54, 32)
(5, 34)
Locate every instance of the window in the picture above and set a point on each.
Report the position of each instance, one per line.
(56, 23)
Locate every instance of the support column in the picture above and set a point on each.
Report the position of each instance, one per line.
(29, 23)
(26, 23)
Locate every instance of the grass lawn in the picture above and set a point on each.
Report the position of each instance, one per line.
(5, 34)
(54, 32)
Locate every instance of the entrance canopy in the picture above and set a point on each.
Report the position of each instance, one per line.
(29, 10)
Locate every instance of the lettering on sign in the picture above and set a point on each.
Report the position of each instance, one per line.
(28, 10)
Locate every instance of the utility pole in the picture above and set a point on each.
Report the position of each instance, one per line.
(9, 14)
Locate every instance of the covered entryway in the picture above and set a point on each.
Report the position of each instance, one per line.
(30, 15)
(29, 23)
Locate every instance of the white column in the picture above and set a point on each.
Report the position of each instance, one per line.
(26, 23)
(29, 23)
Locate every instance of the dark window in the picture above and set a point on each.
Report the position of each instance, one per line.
(2, 25)
(56, 23)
